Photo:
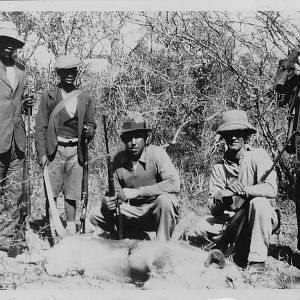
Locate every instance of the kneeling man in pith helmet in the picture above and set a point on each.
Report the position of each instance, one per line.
(237, 181)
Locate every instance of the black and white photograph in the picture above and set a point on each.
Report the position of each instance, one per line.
(149, 150)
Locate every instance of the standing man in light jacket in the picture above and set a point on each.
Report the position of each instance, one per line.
(65, 118)
(146, 184)
(14, 100)
(236, 179)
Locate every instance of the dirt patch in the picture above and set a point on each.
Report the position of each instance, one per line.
(27, 271)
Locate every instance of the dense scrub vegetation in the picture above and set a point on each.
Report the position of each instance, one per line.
(181, 69)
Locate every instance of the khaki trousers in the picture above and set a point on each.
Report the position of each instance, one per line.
(160, 216)
(262, 219)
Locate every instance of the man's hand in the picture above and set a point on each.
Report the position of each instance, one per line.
(88, 131)
(126, 194)
(121, 196)
(43, 161)
(237, 188)
(28, 102)
(110, 202)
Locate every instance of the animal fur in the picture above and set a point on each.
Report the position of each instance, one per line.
(155, 265)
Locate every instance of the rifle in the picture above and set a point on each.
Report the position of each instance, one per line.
(25, 202)
(111, 188)
(84, 185)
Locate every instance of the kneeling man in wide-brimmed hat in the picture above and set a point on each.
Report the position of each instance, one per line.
(236, 180)
(146, 184)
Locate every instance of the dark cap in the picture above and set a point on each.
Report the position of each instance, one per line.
(133, 121)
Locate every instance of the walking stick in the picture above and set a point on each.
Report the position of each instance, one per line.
(111, 188)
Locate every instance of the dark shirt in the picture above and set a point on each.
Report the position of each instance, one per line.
(154, 175)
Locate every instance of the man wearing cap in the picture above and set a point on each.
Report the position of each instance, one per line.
(146, 184)
(65, 118)
(15, 99)
(236, 179)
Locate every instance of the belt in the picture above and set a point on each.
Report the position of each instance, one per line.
(67, 144)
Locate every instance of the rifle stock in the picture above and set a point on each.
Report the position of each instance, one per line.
(111, 188)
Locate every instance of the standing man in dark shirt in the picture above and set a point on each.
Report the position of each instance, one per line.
(65, 118)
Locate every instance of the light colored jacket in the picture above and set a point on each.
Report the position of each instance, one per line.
(252, 165)
(11, 122)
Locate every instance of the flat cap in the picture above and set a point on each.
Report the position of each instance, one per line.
(67, 62)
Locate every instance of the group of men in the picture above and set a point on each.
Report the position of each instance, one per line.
(145, 179)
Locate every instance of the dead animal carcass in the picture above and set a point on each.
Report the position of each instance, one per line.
(155, 264)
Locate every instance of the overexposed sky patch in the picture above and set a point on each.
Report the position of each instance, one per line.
(139, 5)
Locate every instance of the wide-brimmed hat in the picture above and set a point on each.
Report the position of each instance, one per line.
(9, 29)
(235, 120)
(67, 62)
(133, 121)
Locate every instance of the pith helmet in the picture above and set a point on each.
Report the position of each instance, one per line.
(9, 29)
(235, 120)
(67, 62)
(134, 121)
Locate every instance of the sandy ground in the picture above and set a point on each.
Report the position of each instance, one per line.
(24, 277)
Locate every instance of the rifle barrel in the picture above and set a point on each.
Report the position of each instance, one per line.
(27, 159)
(277, 158)
(84, 183)
(111, 188)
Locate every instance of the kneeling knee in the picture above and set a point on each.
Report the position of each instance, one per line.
(260, 203)
(164, 202)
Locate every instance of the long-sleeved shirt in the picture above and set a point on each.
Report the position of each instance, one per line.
(154, 175)
(46, 132)
(252, 165)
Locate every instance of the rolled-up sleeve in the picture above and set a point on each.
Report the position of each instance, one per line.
(217, 184)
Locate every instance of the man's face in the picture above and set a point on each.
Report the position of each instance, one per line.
(67, 76)
(7, 47)
(134, 142)
(235, 140)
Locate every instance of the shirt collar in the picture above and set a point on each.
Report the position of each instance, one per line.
(4, 67)
(231, 166)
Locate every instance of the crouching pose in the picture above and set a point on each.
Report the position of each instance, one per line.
(65, 118)
(146, 184)
(237, 178)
